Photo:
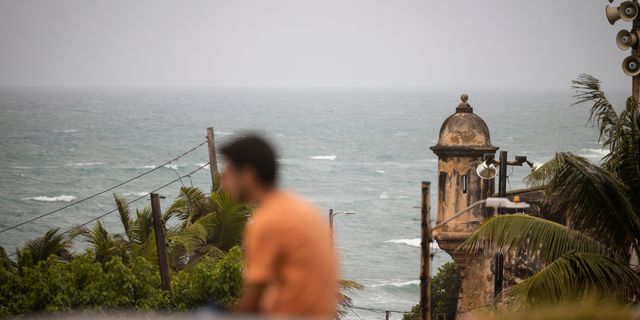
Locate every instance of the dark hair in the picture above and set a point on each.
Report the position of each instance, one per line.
(253, 151)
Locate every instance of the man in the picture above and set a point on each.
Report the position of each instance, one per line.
(291, 268)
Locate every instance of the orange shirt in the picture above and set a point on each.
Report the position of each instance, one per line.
(288, 247)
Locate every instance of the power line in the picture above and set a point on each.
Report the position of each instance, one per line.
(377, 310)
(101, 192)
(130, 202)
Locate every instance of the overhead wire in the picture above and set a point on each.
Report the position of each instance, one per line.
(101, 192)
(130, 202)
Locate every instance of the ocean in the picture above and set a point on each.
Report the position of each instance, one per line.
(348, 149)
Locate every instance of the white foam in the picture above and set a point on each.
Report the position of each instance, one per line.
(380, 171)
(594, 153)
(324, 158)
(412, 242)
(403, 197)
(395, 284)
(148, 167)
(51, 199)
(139, 194)
(384, 196)
(84, 164)
(223, 133)
(202, 164)
(66, 131)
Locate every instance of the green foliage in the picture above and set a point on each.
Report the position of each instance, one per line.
(82, 284)
(445, 289)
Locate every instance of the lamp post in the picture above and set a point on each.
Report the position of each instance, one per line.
(487, 170)
(425, 278)
(331, 214)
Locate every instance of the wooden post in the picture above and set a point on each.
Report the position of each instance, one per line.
(213, 160)
(636, 79)
(386, 313)
(158, 225)
(425, 260)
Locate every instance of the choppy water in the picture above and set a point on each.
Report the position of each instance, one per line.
(364, 150)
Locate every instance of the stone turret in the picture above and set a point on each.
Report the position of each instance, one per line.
(464, 139)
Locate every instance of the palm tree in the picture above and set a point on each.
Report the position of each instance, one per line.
(591, 254)
(51, 243)
(344, 301)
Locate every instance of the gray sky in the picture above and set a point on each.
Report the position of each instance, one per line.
(426, 43)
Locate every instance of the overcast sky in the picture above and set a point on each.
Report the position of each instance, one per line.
(342, 43)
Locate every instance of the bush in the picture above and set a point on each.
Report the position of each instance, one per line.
(445, 288)
(82, 284)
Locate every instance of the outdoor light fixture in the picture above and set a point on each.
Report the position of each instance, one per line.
(486, 170)
(491, 202)
(534, 165)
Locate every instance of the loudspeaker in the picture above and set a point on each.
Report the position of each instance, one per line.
(628, 11)
(626, 39)
(613, 14)
(631, 66)
(485, 171)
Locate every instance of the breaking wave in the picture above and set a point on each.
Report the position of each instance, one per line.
(412, 242)
(84, 164)
(51, 199)
(324, 158)
(395, 284)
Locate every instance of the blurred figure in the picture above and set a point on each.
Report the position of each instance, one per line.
(291, 268)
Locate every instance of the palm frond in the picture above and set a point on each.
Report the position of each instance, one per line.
(572, 276)
(602, 113)
(51, 243)
(596, 199)
(125, 216)
(531, 236)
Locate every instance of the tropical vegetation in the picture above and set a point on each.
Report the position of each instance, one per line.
(203, 234)
(593, 252)
(445, 288)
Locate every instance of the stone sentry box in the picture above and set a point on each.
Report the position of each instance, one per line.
(464, 139)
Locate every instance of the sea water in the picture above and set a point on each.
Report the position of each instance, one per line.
(362, 150)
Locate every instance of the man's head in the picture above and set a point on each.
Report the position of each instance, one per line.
(251, 168)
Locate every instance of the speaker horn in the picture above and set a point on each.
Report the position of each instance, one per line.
(628, 11)
(626, 39)
(631, 66)
(485, 171)
(613, 14)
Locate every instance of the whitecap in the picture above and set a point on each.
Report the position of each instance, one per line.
(403, 197)
(324, 158)
(384, 196)
(148, 167)
(595, 153)
(380, 171)
(50, 199)
(66, 131)
(202, 164)
(139, 194)
(395, 284)
(223, 133)
(83, 164)
(415, 242)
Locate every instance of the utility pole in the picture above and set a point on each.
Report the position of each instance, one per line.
(502, 193)
(213, 160)
(425, 260)
(386, 314)
(636, 78)
(158, 225)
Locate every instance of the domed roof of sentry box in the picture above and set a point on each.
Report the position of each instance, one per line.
(464, 133)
